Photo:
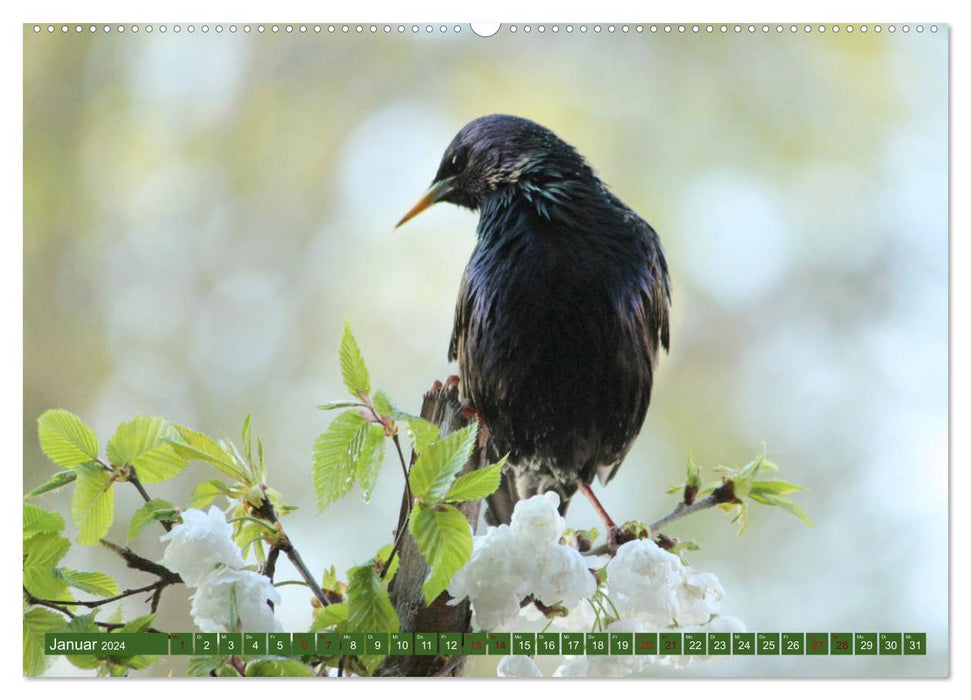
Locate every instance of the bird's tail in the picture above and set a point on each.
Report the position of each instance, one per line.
(515, 487)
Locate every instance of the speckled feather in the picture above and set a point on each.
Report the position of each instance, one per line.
(561, 312)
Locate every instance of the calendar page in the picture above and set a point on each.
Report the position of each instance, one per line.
(527, 350)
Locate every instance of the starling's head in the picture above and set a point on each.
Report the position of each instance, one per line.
(495, 152)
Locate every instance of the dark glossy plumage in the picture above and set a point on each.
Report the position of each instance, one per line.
(561, 312)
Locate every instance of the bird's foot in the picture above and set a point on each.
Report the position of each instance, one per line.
(451, 382)
(470, 413)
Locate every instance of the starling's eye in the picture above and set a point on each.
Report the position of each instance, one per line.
(458, 161)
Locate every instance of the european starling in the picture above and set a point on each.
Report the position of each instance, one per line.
(561, 312)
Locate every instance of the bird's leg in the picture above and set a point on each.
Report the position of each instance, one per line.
(469, 412)
(613, 532)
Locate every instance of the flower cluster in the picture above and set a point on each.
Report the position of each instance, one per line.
(525, 558)
(201, 550)
(649, 590)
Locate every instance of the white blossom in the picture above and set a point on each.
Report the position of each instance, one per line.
(211, 603)
(199, 544)
(643, 582)
(698, 597)
(512, 562)
(518, 667)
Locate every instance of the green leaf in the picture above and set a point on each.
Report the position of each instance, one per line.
(38, 521)
(383, 404)
(421, 433)
(436, 467)
(331, 405)
(38, 622)
(334, 469)
(368, 606)
(277, 668)
(203, 665)
(196, 445)
(139, 624)
(444, 538)
(145, 444)
(83, 624)
(206, 492)
(353, 369)
(476, 484)
(65, 439)
(777, 487)
(155, 510)
(783, 503)
(330, 616)
(93, 505)
(93, 582)
(55, 482)
(367, 454)
(41, 555)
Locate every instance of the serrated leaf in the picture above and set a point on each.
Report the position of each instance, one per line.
(42, 553)
(276, 668)
(330, 616)
(383, 404)
(436, 467)
(65, 438)
(38, 622)
(353, 370)
(421, 433)
(145, 444)
(476, 484)
(196, 445)
(139, 624)
(38, 521)
(334, 469)
(367, 454)
(444, 538)
(55, 482)
(155, 510)
(93, 505)
(93, 582)
(368, 606)
(203, 665)
(204, 493)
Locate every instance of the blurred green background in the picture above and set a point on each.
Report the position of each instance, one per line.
(203, 211)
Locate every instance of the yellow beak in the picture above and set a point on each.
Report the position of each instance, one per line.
(431, 196)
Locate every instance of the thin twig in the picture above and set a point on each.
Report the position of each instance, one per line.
(136, 482)
(105, 601)
(406, 514)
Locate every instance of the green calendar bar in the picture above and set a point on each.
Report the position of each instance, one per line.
(475, 644)
(402, 643)
(548, 644)
(695, 643)
(840, 643)
(254, 644)
(450, 643)
(181, 644)
(645, 643)
(793, 643)
(207, 644)
(915, 643)
(768, 643)
(743, 643)
(500, 643)
(524, 643)
(104, 644)
(573, 643)
(279, 643)
(817, 643)
(493, 643)
(328, 643)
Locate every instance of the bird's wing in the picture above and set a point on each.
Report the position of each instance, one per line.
(462, 309)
